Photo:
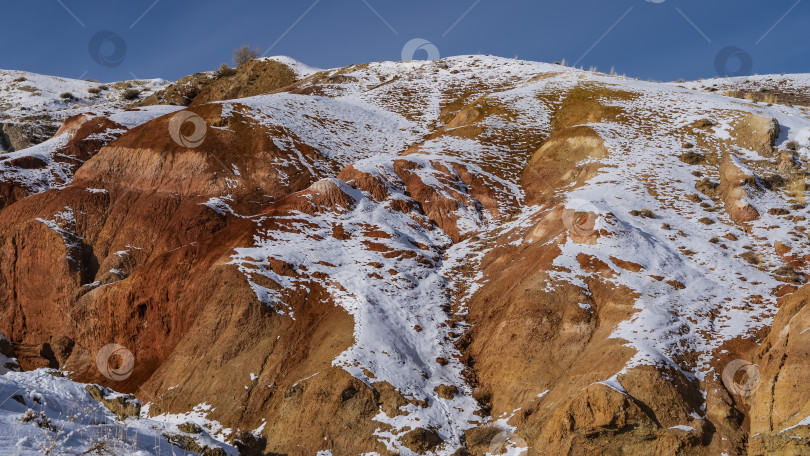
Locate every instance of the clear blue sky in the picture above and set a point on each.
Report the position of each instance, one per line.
(651, 39)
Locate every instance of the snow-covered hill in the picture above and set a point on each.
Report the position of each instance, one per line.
(474, 254)
(790, 89)
(33, 106)
(44, 413)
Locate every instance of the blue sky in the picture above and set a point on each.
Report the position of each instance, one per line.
(660, 39)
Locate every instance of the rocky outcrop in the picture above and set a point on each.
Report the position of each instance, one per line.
(120, 405)
(758, 133)
(12, 137)
(256, 77)
(735, 187)
(779, 404)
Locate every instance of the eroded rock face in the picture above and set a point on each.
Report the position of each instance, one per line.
(52, 164)
(778, 405)
(542, 258)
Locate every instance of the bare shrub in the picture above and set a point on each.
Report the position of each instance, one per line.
(131, 94)
(245, 54)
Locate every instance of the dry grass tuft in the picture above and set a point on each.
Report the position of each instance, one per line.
(645, 213)
(693, 158)
(778, 211)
